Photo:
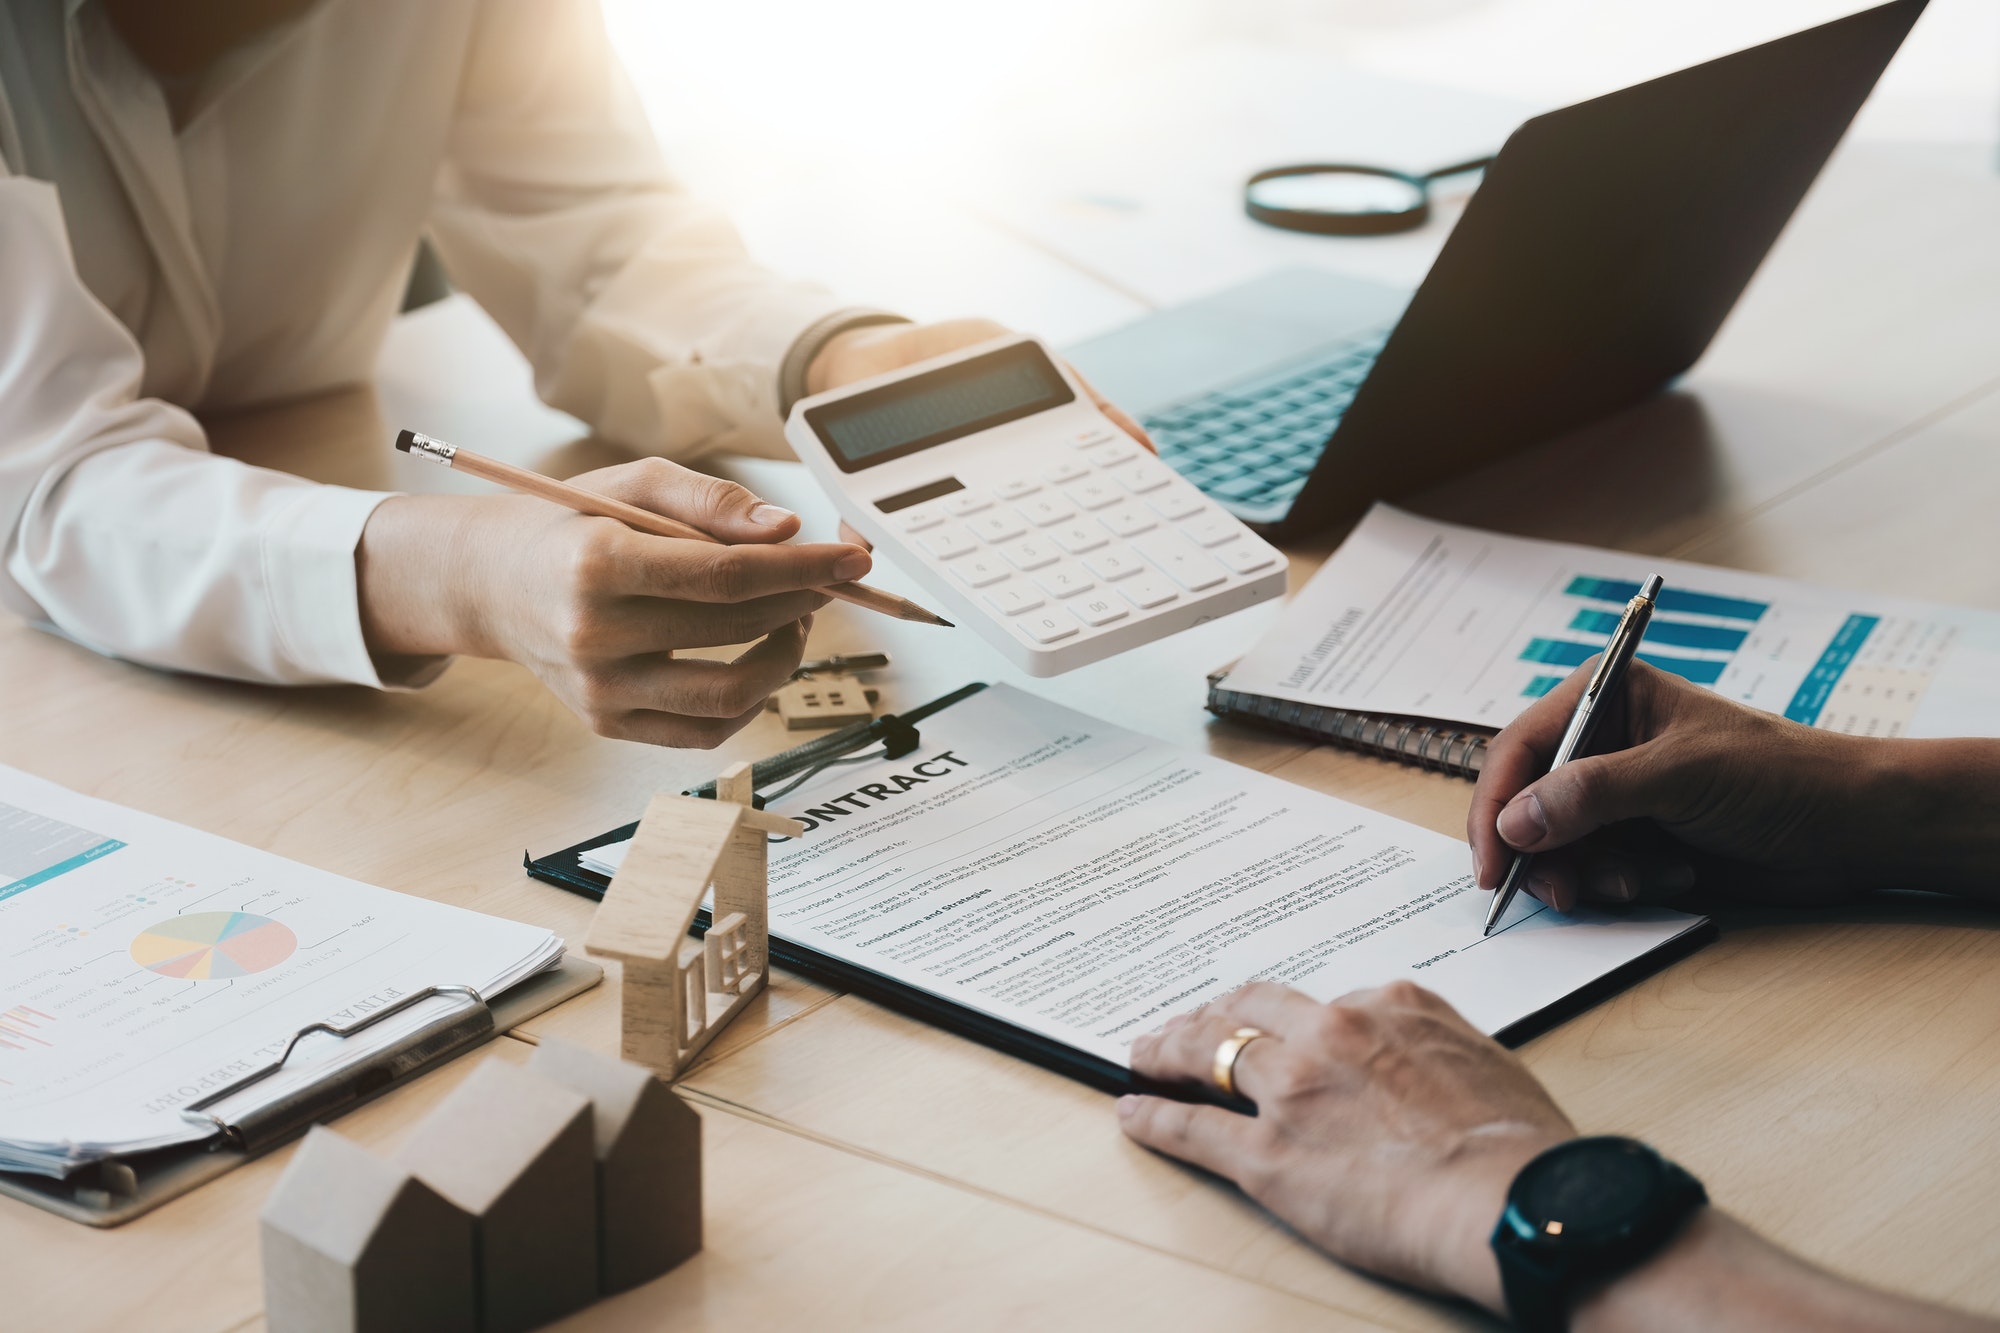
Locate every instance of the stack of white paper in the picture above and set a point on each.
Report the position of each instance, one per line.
(145, 966)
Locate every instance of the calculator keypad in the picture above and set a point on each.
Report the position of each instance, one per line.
(1099, 537)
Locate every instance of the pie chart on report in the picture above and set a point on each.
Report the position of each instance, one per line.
(213, 946)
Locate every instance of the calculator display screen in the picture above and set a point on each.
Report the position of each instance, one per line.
(935, 408)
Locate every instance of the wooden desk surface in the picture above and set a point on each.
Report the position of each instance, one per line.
(1828, 1073)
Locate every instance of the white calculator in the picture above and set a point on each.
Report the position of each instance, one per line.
(994, 479)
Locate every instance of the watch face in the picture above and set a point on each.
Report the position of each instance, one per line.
(1589, 1189)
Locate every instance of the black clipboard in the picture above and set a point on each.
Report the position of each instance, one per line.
(565, 870)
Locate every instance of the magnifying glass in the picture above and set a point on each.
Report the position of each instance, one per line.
(1342, 199)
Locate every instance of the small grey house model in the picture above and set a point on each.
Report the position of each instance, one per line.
(648, 1163)
(515, 1151)
(355, 1244)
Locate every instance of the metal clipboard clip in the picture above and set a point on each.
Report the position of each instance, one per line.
(261, 1126)
(897, 734)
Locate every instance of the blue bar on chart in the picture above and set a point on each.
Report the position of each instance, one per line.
(1541, 685)
(1700, 670)
(1674, 600)
(1667, 633)
(1559, 652)
(1570, 653)
(1818, 685)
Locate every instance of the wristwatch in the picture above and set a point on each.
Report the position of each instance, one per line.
(1581, 1213)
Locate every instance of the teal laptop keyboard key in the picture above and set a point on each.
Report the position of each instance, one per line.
(1254, 443)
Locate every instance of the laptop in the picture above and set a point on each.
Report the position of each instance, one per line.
(1598, 257)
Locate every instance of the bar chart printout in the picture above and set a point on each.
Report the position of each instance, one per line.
(1430, 620)
(1867, 676)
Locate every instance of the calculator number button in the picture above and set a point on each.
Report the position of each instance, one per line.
(950, 542)
(1078, 537)
(1044, 510)
(1142, 476)
(1065, 582)
(1192, 569)
(1098, 610)
(1048, 626)
(1013, 599)
(1113, 565)
(982, 569)
(1212, 528)
(1127, 520)
(1247, 557)
(999, 526)
(1148, 591)
(1180, 502)
(1031, 553)
(1112, 454)
(1094, 494)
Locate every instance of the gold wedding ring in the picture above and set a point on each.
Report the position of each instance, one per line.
(1224, 1069)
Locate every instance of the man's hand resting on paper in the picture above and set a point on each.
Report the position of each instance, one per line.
(1684, 790)
(1387, 1132)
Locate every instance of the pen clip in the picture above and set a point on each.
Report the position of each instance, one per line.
(1640, 605)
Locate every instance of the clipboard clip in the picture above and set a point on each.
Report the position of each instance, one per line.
(277, 1120)
(898, 736)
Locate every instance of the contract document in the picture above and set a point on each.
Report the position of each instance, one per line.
(1084, 883)
(1416, 618)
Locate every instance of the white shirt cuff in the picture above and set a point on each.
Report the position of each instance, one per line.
(308, 554)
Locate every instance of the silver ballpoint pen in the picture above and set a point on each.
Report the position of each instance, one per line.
(1603, 687)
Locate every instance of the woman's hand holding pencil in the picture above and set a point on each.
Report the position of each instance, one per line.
(594, 605)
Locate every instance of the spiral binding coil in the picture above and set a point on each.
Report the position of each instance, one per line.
(1449, 750)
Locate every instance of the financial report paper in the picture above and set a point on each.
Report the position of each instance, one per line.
(1085, 883)
(145, 965)
(1417, 618)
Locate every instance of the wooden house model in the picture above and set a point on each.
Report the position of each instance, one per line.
(676, 993)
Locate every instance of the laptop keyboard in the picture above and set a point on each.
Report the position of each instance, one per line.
(1254, 443)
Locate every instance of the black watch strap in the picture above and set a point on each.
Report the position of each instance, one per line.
(1537, 1297)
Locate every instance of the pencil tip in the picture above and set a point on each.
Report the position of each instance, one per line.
(404, 439)
(942, 621)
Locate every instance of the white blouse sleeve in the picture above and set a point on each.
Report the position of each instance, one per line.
(120, 529)
(637, 304)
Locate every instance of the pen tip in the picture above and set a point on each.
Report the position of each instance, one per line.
(404, 439)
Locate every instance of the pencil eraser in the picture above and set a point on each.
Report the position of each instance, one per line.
(404, 439)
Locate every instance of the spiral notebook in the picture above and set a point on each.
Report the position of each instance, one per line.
(1419, 640)
(1458, 751)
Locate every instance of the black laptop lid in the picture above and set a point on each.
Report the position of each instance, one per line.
(1598, 258)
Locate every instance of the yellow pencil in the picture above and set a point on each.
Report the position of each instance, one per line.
(584, 502)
